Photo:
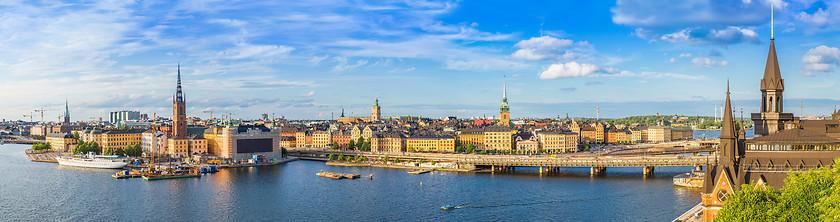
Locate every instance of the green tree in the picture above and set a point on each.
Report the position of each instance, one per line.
(360, 142)
(284, 152)
(331, 157)
(385, 158)
(334, 145)
(806, 196)
(351, 145)
(340, 157)
(76, 135)
(470, 148)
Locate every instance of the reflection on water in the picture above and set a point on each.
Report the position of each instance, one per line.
(292, 192)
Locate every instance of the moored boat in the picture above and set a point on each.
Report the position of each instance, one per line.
(693, 179)
(92, 161)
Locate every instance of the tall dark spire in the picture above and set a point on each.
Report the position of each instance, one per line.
(772, 76)
(727, 130)
(179, 96)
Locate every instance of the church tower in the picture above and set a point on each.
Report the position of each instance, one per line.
(771, 118)
(504, 109)
(179, 112)
(375, 111)
(66, 113)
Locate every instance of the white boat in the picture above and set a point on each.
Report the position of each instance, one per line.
(92, 161)
(693, 179)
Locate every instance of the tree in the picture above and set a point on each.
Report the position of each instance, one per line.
(351, 145)
(340, 157)
(385, 158)
(470, 148)
(360, 142)
(806, 196)
(334, 145)
(41, 146)
(76, 135)
(331, 157)
(284, 152)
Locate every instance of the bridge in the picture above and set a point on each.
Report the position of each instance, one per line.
(18, 140)
(598, 164)
(545, 163)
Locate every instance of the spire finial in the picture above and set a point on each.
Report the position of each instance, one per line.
(771, 20)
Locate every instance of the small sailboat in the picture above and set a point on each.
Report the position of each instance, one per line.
(447, 207)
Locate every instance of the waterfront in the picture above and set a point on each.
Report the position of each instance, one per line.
(292, 192)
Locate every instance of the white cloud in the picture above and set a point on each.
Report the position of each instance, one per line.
(729, 35)
(821, 58)
(685, 55)
(823, 19)
(246, 51)
(548, 48)
(311, 93)
(569, 70)
(703, 62)
(342, 64)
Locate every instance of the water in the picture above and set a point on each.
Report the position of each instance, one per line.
(714, 134)
(31, 191)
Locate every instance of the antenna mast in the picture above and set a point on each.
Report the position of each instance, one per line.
(771, 20)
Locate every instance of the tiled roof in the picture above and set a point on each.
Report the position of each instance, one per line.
(794, 136)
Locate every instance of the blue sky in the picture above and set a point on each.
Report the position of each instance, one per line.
(308, 59)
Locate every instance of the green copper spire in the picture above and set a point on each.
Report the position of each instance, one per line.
(376, 102)
(505, 108)
(66, 108)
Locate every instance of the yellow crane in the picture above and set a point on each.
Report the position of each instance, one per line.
(42, 110)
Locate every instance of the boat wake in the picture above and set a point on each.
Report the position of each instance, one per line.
(534, 203)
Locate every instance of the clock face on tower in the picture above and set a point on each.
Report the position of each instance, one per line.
(722, 195)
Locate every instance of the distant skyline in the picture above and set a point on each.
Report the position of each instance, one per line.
(308, 59)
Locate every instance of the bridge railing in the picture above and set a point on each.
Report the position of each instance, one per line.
(690, 161)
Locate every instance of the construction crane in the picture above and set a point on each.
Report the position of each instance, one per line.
(211, 112)
(30, 116)
(42, 110)
(59, 118)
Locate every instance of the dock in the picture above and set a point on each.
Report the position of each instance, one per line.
(42, 156)
(419, 171)
(126, 174)
(338, 176)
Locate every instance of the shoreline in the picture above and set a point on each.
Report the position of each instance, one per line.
(336, 163)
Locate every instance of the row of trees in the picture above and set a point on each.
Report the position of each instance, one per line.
(132, 151)
(808, 196)
(41, 146)
(85, 147)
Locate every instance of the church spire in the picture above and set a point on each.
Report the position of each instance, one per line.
(727, 130)
(504, 90)
(772, 76)
(66, 108)
(179, 96)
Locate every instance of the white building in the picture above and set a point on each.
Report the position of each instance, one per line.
(147, 141)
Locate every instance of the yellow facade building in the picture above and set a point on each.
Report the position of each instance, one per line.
(498, 138)
(430, 144)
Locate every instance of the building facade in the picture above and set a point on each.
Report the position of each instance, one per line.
(430, 144)
(243, 141)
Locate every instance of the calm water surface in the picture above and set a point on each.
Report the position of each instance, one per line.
(32, 191)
